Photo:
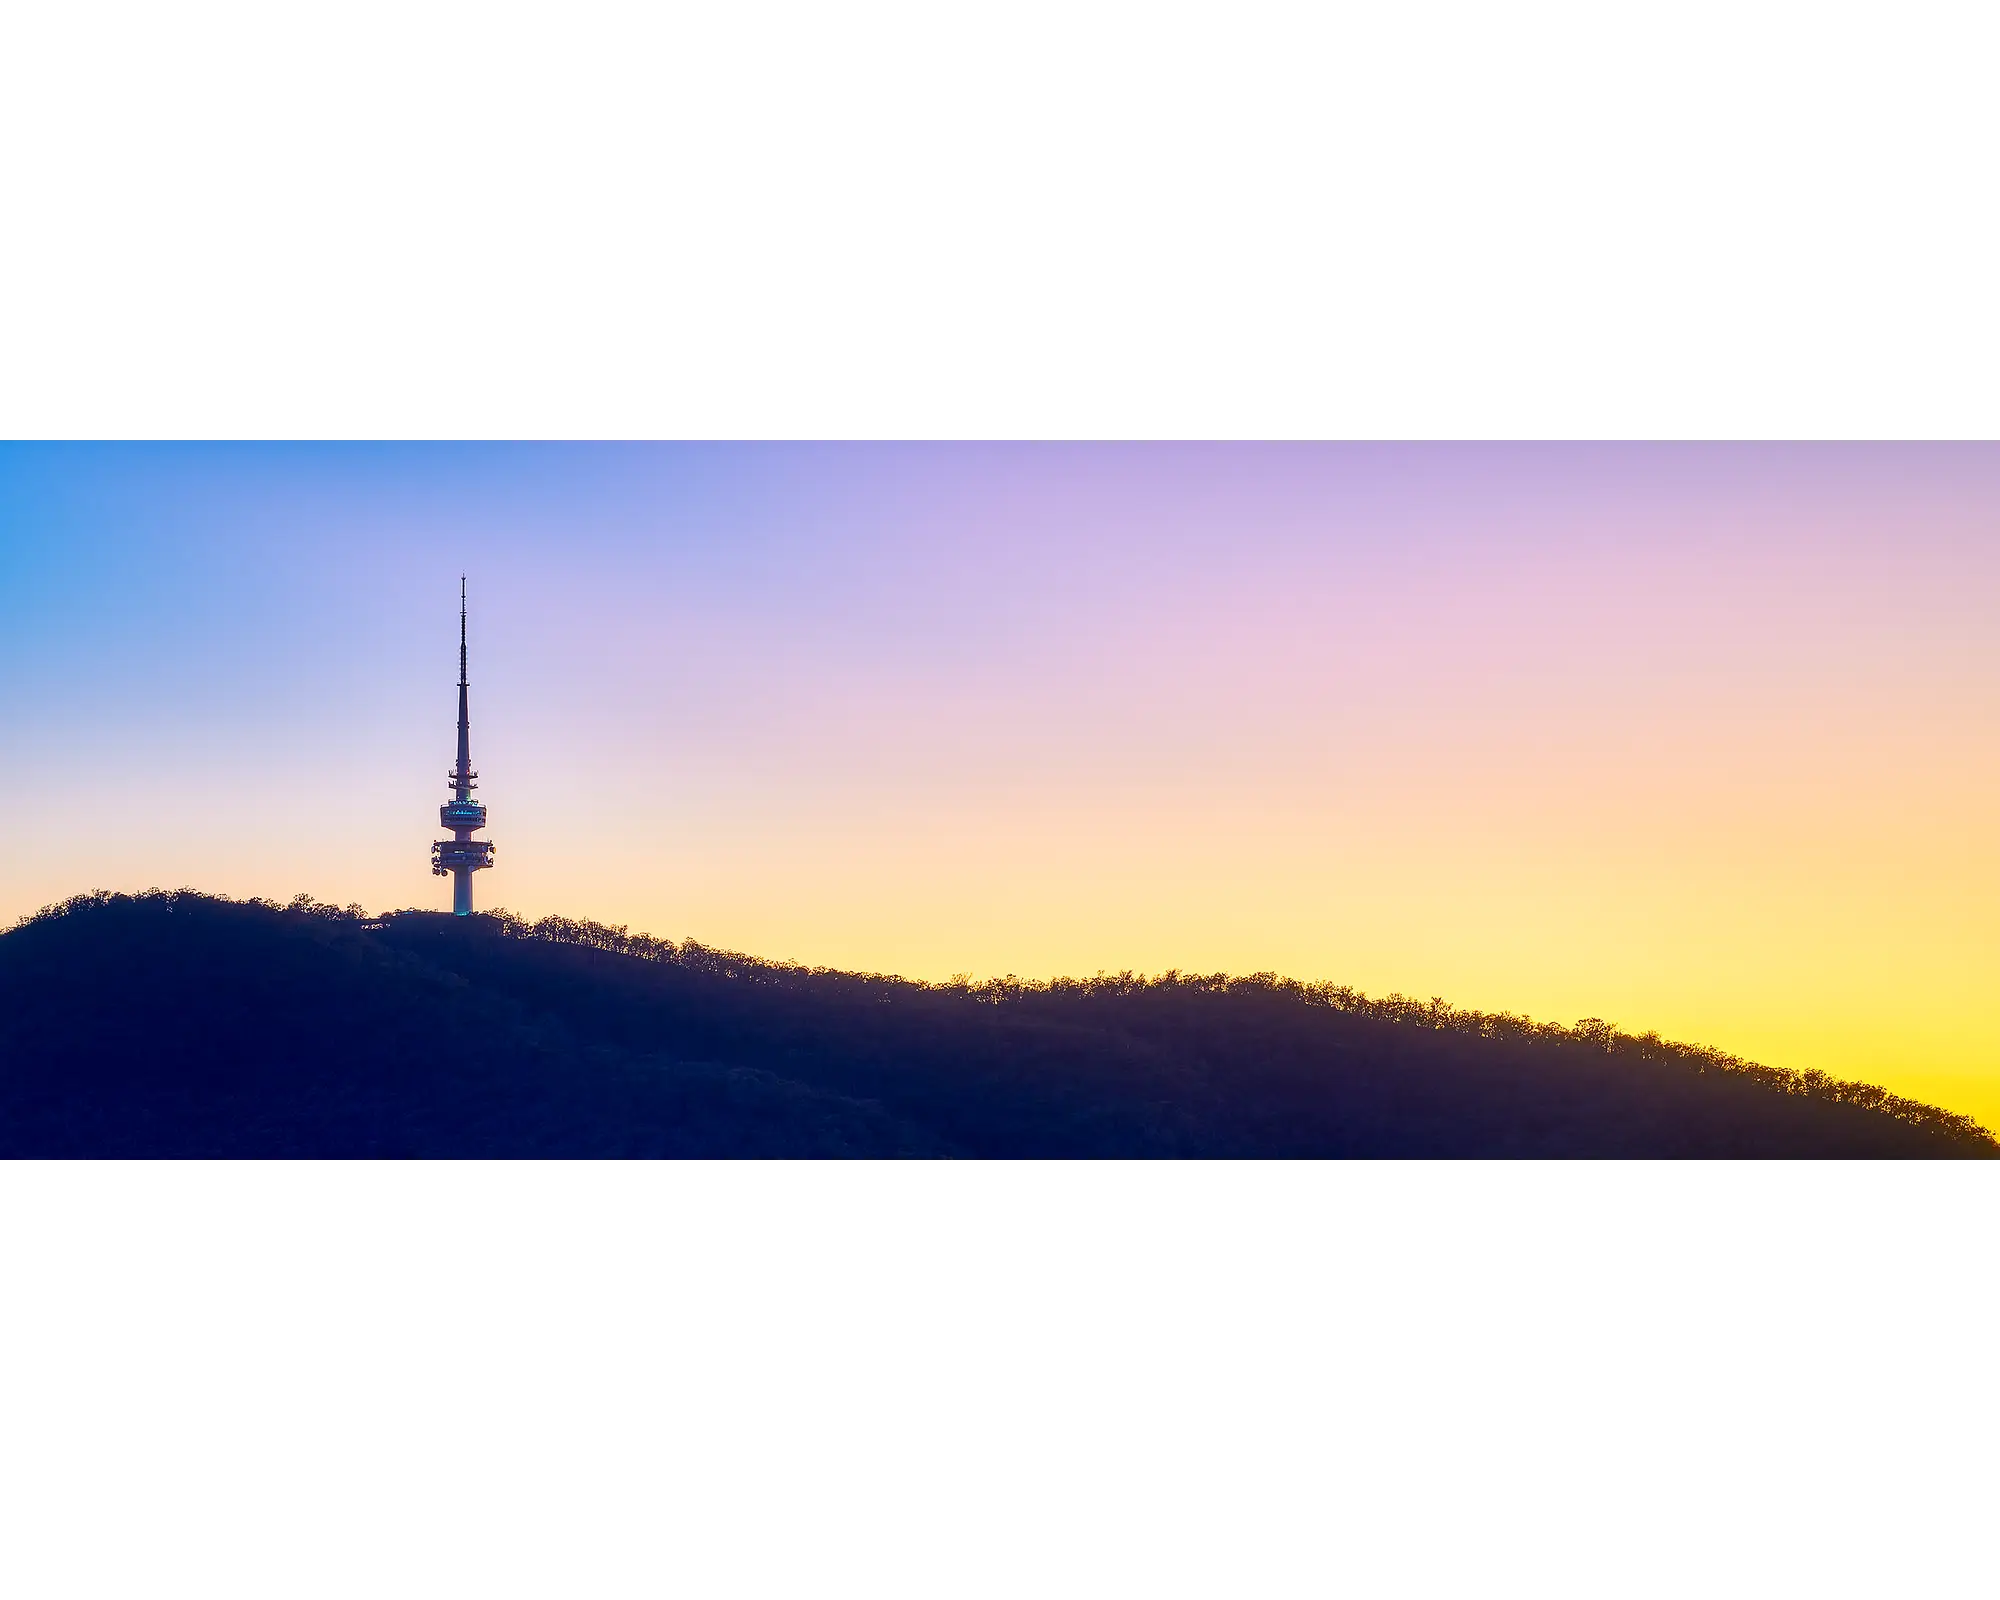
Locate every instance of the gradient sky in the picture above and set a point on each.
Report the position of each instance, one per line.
(1696, 738)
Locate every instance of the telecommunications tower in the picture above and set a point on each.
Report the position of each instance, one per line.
(461, 855)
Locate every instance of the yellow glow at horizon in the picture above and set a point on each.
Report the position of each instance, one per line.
(1777, 941)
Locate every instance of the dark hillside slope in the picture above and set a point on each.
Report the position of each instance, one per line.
(184, 1025)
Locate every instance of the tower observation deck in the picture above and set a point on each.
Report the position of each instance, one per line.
(461, 855)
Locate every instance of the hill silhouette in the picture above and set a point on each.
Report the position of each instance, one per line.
(181, 1024)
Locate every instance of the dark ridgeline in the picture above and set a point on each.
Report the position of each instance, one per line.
(183, 1025)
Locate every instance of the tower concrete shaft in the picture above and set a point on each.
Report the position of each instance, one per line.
(461, 855)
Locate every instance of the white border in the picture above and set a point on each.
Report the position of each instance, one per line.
(1754, 218)
(995, 1379)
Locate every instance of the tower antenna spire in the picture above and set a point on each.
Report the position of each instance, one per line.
(462, 855)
